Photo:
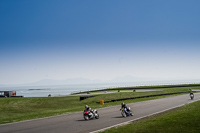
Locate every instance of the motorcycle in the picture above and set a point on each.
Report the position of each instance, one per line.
(191, 96)
(126, 112)
(90, 114)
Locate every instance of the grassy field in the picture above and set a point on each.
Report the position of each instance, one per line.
(185, 119)
(18, 109)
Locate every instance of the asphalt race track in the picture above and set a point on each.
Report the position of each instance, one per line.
(110, 116)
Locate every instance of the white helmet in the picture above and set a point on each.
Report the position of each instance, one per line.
(86, 106)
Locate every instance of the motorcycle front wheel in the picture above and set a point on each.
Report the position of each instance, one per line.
(123, 114)
(192, 97)
(86, 117)
(131, 113)
(97, 116)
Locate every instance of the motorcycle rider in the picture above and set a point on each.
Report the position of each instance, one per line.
(123, 105)
(88, 108)
(90, 113)
(191, 91)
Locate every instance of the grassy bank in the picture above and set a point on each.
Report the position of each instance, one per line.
(193, 86)
(182, 120)
(18, 109)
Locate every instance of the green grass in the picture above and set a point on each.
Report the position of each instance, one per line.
(120, 95)
(18, 109)
(185, 119)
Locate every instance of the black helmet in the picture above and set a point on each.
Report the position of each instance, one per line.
(122, 103)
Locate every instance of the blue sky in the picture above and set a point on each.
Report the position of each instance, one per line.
(61, 39)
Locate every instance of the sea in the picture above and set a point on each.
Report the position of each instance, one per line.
(64, 90)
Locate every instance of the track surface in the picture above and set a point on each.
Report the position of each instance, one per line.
(74, 123)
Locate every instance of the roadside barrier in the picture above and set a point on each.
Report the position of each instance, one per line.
(102, 102)
(85, 97)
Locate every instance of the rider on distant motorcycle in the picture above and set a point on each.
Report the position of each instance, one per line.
(191, 91)
(191, 94)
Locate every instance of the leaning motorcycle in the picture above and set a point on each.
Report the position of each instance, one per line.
(191, 96)
(90, 114)
(126, 112)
